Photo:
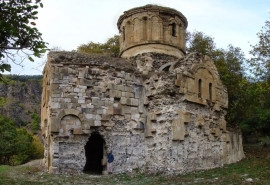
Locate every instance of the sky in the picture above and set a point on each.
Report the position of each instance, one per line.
(66, 24)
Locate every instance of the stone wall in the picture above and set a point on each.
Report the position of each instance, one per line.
(156, 112)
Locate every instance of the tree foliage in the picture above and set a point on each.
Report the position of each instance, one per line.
(110, 47)
(260, 52)
(199, 42)
(18, 32)
(258, 119)
(17, 146)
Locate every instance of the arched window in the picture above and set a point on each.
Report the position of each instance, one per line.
(124, 34)
(144, 28)
(173, 29)
(200, 88)
(210, 91)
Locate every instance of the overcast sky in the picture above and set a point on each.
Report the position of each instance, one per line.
(67, 23)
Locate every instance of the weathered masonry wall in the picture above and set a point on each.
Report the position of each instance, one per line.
(156, 112)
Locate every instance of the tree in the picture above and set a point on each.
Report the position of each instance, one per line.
(18, 32)
(7, 140)
(110, 47)
(17, 146)
(199, 42)
(229, 63)
(259, 118)
(260, 52)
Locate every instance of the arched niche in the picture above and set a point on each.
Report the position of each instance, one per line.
(70, 124)
(205, 84)
(156, 28)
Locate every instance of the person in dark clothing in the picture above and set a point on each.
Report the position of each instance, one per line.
(110, 162)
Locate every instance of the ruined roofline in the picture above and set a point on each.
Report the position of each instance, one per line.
(157, 48)
(151, 7)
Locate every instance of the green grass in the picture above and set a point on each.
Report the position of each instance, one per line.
(256, 165)
(4, 168)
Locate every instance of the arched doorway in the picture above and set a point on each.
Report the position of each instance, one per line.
(94, 154)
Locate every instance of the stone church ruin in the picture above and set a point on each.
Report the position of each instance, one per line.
(157, 108)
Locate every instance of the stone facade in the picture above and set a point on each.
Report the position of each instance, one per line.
(157, 111)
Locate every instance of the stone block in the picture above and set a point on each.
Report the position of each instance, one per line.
(135, 117)
(126, 109)
(98, 117)
(81, 101)
(56, 95)
(117, 94)
(178, 129)
(104, 161)
(212, 130)
(148, 128)
(77, 131)
(152, 116)
(99, 111)
(108, 103)
(128, 76)
(111, 86)
(76, 90)
(54, 87)
(142, 119)
(127, 116)
(185, 116)
(82, 87)
(90, 116)
(55, 105)
(81, 74)
(178, 82)
(128, 89)
(86, 125)
(120, 87)
(105, 117)
(117, 109)
(120, 75)
(110, 110)
(95, 100)
(200, 121)
(138, 91)
(222, 124)
(134, 102)
(129, 95)
(134, 110)
(128, 101)
(55, 125)
(217, 132)
(141, 107)
(97, 123)
(123, 100)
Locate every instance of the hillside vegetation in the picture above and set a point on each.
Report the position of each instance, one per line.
(20, 98)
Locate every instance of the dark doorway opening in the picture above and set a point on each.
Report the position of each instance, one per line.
(94, 154)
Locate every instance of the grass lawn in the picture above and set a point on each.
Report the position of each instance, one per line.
(255, 166)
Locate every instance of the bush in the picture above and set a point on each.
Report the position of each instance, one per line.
(17, 146)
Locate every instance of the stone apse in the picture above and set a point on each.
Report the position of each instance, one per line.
(157, 108)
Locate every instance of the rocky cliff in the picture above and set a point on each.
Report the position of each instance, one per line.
(20, 98)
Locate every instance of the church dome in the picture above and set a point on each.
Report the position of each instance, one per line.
(152, 28)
